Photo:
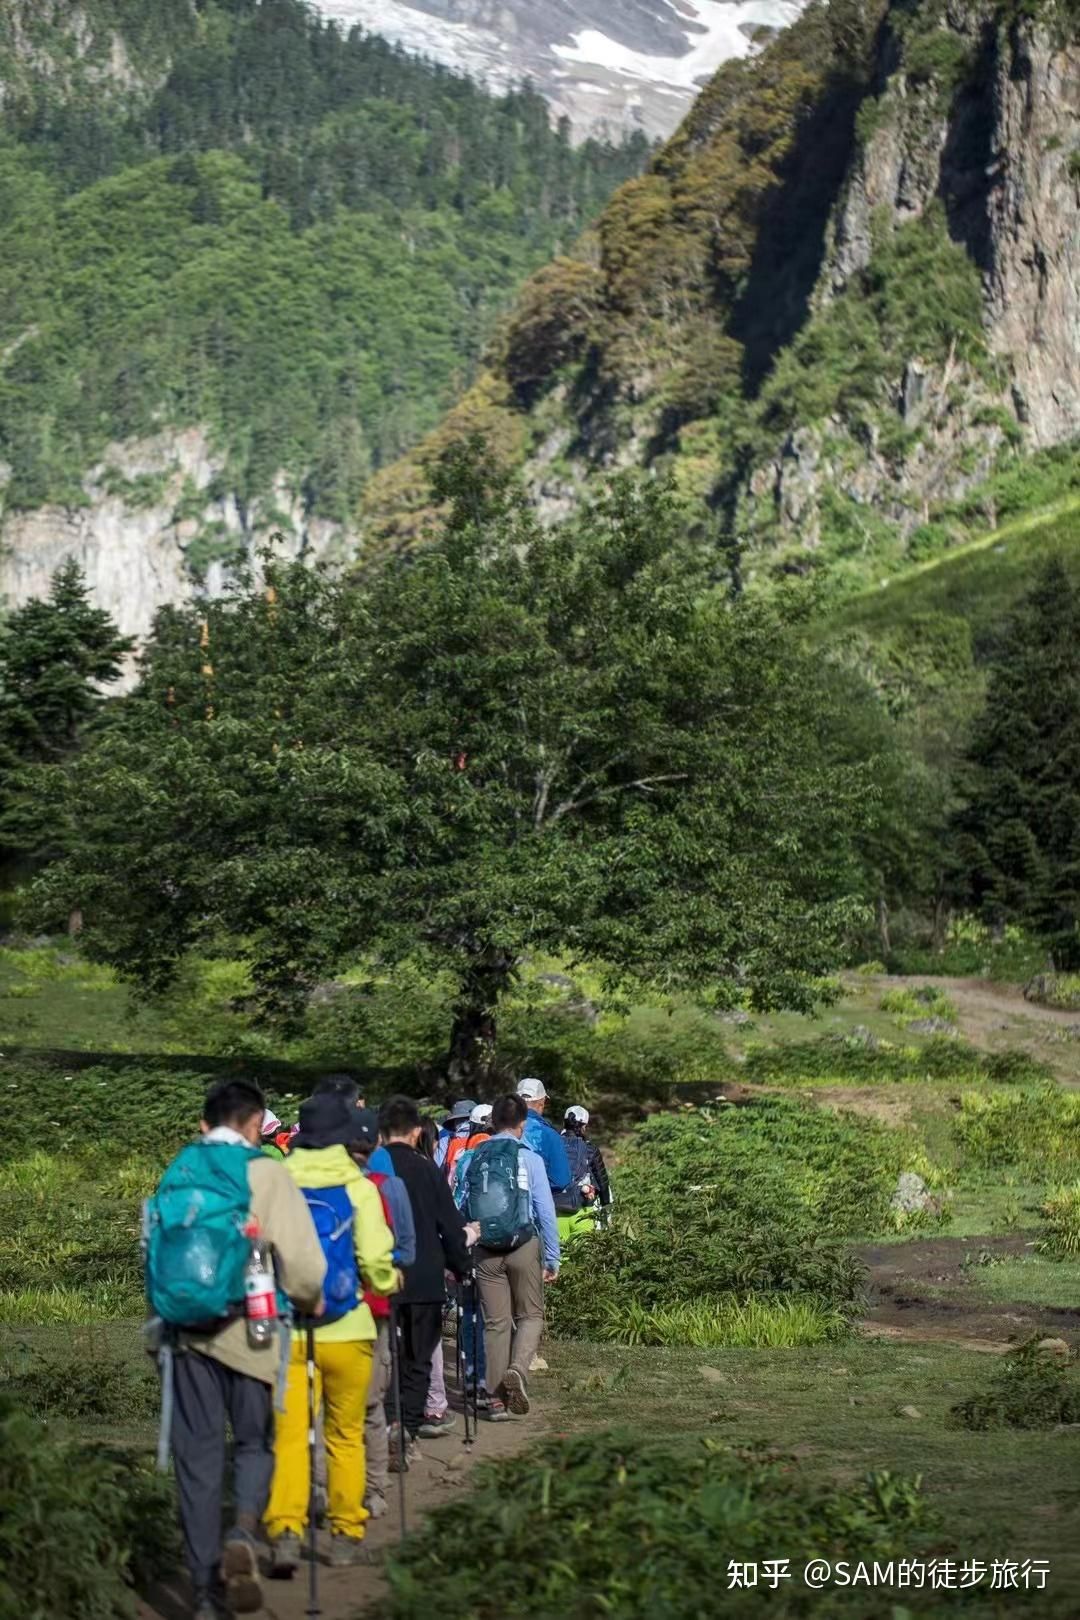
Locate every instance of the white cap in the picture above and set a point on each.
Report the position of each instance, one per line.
(578, 1113)
(480, 1114)
(270, 1122)
(531, 1090)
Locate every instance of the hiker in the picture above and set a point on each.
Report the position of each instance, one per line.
(589, 1174)
(542, 1136)
(508, 1194)
(438, 1419)
(213, 1373)
(441, 1245)
(358, 1245)
(472, 1331)
(452, 1132)
(398, 1212)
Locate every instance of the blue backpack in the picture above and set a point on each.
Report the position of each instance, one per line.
(194, 1242)
(497, 1194)
(333, 1213)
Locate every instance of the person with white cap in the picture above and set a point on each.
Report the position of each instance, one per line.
(589, 1170)
(542, 1136)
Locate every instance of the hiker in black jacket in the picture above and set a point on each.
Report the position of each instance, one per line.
(441, 1245)
(575, 1125)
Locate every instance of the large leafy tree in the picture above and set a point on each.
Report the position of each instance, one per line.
(518, 739)
(1018, 837)
(57, 655)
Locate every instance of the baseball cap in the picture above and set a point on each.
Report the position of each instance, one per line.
(480, 1114)
(578, 1113)
(531, 1090)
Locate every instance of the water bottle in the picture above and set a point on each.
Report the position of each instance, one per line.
(260, 1290)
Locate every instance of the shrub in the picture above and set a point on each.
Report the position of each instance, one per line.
(1032, 1390)
(85, 1383)
(853, 1060)
(1062, 1215)
(1028, 1131)
(925, 1002)
(78, 1527)
(608, 1524)
(1060, 990)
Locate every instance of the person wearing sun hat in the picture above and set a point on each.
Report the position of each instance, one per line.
(455, 1125)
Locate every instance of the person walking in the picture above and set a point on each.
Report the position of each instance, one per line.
(211, 1199)
(508, 1195)
(441, 1245)
(452, 1132)
(542, 1136)
(358, 1244)
(589, 1174)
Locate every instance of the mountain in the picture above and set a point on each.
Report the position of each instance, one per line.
(245, 261)
(840, 309)
(600, 63)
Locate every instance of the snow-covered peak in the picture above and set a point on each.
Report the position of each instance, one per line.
(613, 63)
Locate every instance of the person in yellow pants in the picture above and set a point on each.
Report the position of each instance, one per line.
(344, 1344)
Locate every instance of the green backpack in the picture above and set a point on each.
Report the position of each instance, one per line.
(194, 1241)
(497, 1196)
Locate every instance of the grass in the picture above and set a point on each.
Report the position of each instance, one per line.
(751, 1323)
(49, 1307)
(1028, 1279)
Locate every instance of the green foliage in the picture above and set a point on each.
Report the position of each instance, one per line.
(1061, 990)
(298, 239)
(754, 1323)
(925, 1002)
(1061, 1214)
(853, 1060)
(1016, 849)
(1036, 1131)
(523, 739)
(1034, 1389)
(79, 1525)
(85, 1383)
(605, 1523)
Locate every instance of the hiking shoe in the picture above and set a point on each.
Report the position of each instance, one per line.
(517, 1396)
(285, 1555)
(433, 1428)
(207, 1606)
(347, 1551)
(412, 1452)
(375, 1505)
(240, 1572)
(496, 1411)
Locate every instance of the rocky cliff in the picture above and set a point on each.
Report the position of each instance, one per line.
(846, 294)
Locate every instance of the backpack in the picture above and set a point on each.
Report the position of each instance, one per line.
(569, 1199)
(332, 1213)
(497, 1195)
(194, 1241)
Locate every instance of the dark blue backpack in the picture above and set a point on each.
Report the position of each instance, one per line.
(332, 1212)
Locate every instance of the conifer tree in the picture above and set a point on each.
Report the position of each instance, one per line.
(1018, 838)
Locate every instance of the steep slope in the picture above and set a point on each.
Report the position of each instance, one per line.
(244, 261)
(844, 296)
(600, 63)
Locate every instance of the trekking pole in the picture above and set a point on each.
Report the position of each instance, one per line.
(312, 1609)
(395, 1368)
(463, 1360)
(477, 1342)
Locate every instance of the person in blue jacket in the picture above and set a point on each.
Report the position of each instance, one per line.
(542, 1137)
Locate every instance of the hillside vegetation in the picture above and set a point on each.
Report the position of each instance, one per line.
(233, 215)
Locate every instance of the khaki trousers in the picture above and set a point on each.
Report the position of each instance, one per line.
(375, 1439)
(512, 1300)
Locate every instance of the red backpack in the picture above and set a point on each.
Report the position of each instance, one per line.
(377, 1303)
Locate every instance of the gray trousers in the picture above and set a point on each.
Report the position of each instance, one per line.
(206, 1394)
(376, 1447)
(512, 1299)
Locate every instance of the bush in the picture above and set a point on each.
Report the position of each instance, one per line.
(608, 1524)
(1061, 990)
(1062, 1215)
(1034, 1389)
(87, 1382)
(925, 1002)
(1031, 1131)
(78, 1527)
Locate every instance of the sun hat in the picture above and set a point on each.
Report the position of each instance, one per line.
(270, 1122)
(461, 1111)
(531, 1090)
(327, 1120)
(576, 1112)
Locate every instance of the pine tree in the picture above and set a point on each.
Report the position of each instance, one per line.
(56, 656)
(1018, 838)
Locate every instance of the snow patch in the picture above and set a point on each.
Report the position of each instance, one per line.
(724, 39)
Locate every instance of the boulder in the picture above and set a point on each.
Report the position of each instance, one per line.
(912, 1195)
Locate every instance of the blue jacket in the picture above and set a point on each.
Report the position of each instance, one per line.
(545, 1140)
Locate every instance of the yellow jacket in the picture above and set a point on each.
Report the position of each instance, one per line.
(372, 1238)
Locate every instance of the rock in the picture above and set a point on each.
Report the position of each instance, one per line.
(538, 1364)
(1056, 1348)
(713, 1375)
(454, 1465)
(911, 1412)
(932, 1026)
(912, 1195)
(581, 1007)
(861, 1036)
(559, 981)
(737, 1017)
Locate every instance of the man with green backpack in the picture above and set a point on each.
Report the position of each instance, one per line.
(220, 1208)
(506, 1192)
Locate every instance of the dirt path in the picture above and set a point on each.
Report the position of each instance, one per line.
(922, 1291)
(443, 1469)
(982, 1004)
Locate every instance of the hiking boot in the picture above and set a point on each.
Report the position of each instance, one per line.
(375, 1505)
(207, 1605)
(347, 1551)
(515, 1393)
(240, 1572)
(412, 1451)
(496, 1411)
(434, 1428)
(285, 1555)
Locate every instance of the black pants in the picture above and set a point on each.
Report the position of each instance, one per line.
(421, 1329)
(206, 1393)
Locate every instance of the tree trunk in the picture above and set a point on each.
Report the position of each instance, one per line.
(942, 914)
(472, 1037)
(883, 928)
